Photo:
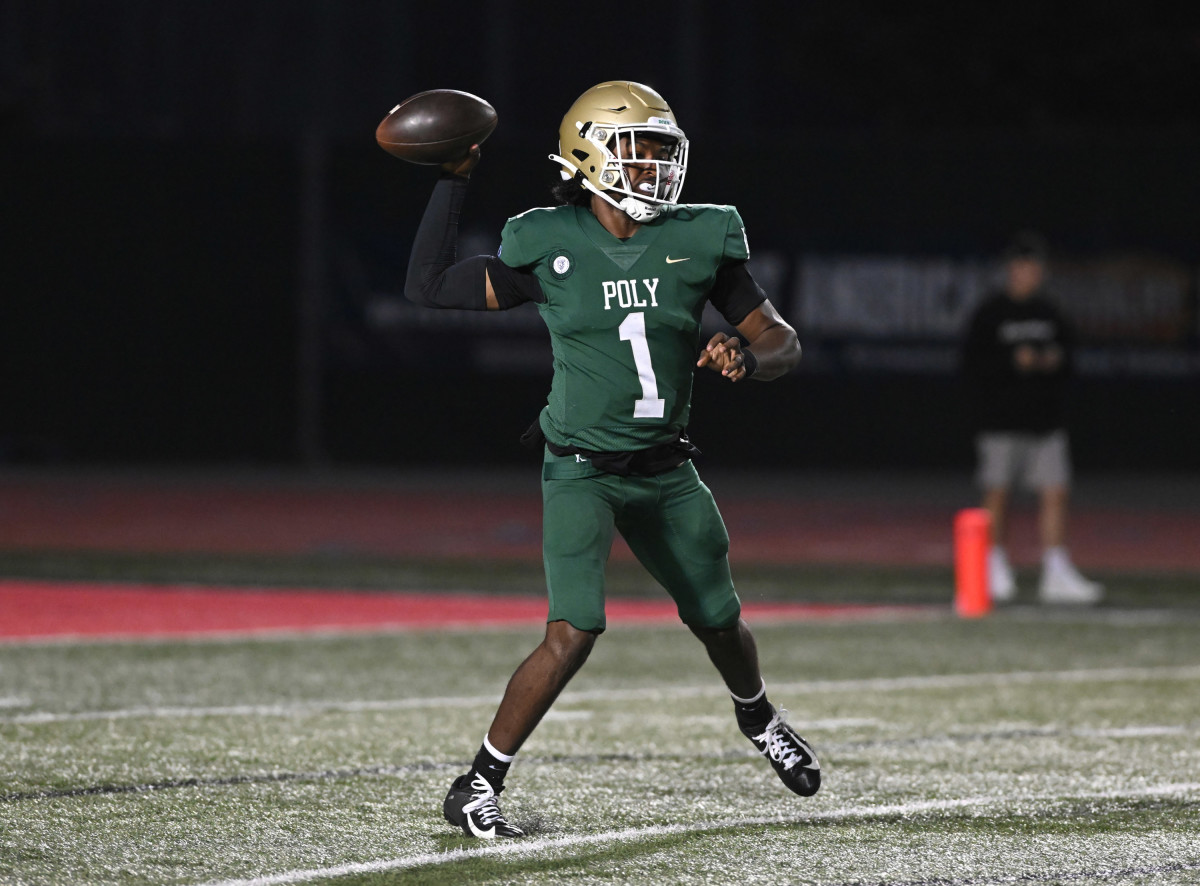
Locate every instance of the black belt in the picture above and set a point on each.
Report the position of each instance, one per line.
(634, 463)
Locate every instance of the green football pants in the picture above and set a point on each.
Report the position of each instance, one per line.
(670, 522)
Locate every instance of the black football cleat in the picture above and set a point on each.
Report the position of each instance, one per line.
(793, 759)
(471, 805)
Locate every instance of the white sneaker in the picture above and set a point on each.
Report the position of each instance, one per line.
(1001, 584)
(1062, 584)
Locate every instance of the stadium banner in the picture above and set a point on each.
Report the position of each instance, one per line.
(1135, 316)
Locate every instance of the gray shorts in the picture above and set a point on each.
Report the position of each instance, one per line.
(1038, 461)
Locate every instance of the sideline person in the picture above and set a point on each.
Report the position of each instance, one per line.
(1017, 359)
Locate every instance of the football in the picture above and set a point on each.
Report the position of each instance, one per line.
(437, 126)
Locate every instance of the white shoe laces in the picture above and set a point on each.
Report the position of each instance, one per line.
(778, 740)
(484, 805)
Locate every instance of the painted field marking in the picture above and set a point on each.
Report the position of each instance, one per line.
(527, 847)
(877, 684)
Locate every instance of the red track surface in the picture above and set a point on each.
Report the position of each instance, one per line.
(456, 519)
(453, 516)
(37, 609)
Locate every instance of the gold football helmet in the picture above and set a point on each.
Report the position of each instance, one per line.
(592, 144)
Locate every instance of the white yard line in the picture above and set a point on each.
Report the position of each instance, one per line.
(877, 684)
(526, 847)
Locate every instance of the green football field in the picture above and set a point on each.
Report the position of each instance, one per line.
(1031, 746)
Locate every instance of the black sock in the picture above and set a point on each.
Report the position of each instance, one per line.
(753, 714)
(491, 767)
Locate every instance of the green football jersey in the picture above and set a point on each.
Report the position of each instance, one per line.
(624, 316)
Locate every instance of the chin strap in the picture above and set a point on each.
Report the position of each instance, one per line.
(638, 210)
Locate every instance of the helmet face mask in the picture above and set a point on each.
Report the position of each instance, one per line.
(599, 139)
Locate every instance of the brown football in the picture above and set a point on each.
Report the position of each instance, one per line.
(434, 127)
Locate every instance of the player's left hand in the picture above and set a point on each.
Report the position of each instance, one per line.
(723, 354)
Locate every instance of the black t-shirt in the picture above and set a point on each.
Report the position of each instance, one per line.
(1002, 397)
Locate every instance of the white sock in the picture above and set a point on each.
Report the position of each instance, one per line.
(761, 692)
(503, 758)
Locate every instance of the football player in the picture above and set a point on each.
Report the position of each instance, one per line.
(620, 272)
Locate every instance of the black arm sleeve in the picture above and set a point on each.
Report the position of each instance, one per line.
(513, 286)
(435, 279)
(735, 293)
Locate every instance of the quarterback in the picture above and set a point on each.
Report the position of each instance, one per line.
(620, 271)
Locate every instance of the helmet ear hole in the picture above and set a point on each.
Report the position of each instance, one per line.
(579, 155)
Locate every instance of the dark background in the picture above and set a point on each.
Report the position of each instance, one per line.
(192, 198)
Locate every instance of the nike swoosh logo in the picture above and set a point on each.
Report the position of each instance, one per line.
(673, 261)
(811, 756)
(489, 834)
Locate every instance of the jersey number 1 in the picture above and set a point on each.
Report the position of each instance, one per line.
(633, 330)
